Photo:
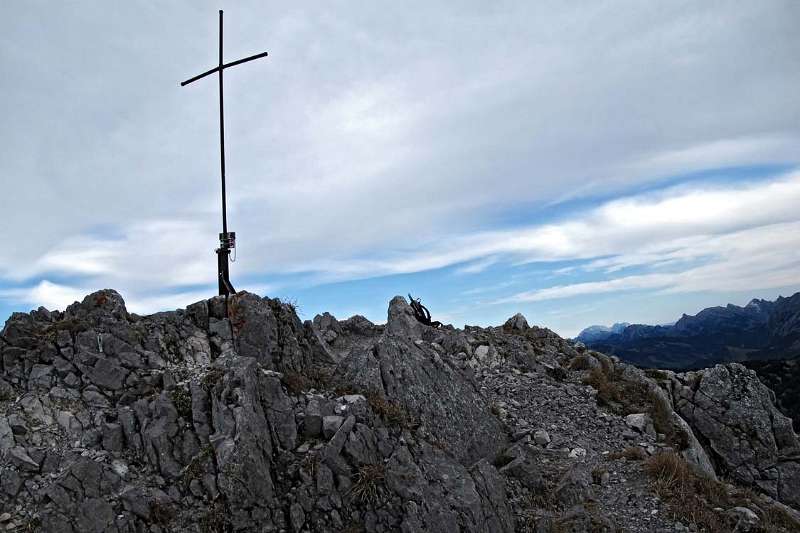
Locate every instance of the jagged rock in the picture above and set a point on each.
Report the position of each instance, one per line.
(19, 456)
(575, 487)
(6, 436)
(516, 323)
(242, 440)
(428, 388)
(744, 518)
(297, 516)
(525, 469)
(312, 422)
(330, 425)
(402, 322)
(541, 437)
(269, 331)
(733, 412)
(641, 422)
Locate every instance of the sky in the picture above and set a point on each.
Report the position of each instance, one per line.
(579, 162)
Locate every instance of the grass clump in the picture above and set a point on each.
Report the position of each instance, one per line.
(620, 395)
(692, 498)
(196, 467)
(581, 362)
(368, 484)
(182, 401)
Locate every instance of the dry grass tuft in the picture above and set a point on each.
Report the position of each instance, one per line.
(368, 484)
(296, 383)
(393, 413)
(620, 395)
(692, 498)
(581, 362)
(310, 378)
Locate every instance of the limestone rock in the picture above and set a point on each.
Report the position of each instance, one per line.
(734, 413)
(516, 323)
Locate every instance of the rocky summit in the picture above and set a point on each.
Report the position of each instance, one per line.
(233, 415)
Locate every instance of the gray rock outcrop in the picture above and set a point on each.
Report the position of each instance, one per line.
(233, 415)
(733, 414)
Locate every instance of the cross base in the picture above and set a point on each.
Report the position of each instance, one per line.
(223, 275)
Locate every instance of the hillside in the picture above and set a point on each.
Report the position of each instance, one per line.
(234, 416)
(761, 330)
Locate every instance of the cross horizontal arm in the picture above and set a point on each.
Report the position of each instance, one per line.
(245, 60)
(203, 75)
(226, 65)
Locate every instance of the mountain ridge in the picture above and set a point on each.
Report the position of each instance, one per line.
(760, 330)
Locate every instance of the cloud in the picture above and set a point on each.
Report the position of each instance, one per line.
(381, 140)
(47, 294)
(57, 296)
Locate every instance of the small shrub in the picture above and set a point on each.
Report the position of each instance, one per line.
(182, 401)
(211, 378)
(392, 413)
(292, 304)
(311, 378)
(344, 390)
(368, 484)
(296, 383)
(161, 513)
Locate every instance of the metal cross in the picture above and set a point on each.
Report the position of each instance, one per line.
(227, 241)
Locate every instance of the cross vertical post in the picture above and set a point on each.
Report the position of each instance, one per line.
(227, 240)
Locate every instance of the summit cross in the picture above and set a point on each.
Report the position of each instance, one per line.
(227, 240)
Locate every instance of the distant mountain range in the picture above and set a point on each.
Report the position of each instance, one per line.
(761, 330)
